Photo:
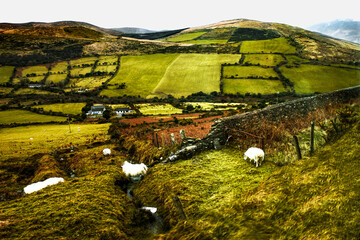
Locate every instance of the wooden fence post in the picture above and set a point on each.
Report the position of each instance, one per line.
(312, 138)
(296, 142)
(156, 139)
(163, 139)
(182, 135)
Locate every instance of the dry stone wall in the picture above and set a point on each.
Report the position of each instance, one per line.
(282, 111)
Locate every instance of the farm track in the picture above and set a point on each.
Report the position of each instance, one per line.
(162, 80)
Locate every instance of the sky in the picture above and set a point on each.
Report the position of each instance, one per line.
(168, 14)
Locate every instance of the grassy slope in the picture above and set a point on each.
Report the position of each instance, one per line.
(47, 137)
(225, 197)
(141, 74)
(310, 78)
(191, 73)
(5, 73)
(67, 108)
(22, 116)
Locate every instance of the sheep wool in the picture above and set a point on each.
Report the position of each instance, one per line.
(255, 155)
(40, 185)
(106, 151)
(133, 170)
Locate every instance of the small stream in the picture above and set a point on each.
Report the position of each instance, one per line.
(156, 225)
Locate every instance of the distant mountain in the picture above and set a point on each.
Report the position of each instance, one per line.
(132, 30)
(344, 29)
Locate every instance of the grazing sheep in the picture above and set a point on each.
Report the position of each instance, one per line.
(133, 170)
(255, 154)
(106, 151)
(40, 185)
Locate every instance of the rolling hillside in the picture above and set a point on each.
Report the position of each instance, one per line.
(230, 57)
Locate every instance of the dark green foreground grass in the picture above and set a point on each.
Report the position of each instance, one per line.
(227, 198)
(224, 197)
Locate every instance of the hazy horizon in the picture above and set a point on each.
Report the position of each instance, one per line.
(163, 15)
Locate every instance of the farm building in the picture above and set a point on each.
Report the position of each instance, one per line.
(96, 111)
(121, 111)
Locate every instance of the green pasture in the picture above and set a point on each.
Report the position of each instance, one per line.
(185, 37)
(243, 86)
(157, 109)
(207, 41)
(80, 61)
(191, 73)
(23, 91)
(314, 78)
(105, 68)
(108, 59)
(45, 138)
(22, 116)
(248, 72)
(293, 59)
(219, 34)
(6, 73)
(141, 74)
(60, 68)
(208, 106)
(55, 78)
(38, 70)
(75, 72)
(89, 82)
(67, 108)
(263, 59)
(5, 90)
(36, 79)
(276, 45)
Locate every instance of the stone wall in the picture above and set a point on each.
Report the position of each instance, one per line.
(300, 107)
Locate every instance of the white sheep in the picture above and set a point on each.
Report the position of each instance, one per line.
(40, 185)
(255, 154)
(106, 151)
(133, 170)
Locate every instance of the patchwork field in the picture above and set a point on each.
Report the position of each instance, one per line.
(88, 82)
(76, 72)
(312, 78)
(191, 73)
(185, 37)
(207, 106)
(277, 45)
(263, 59)
(248, 72)
(37, 70)
(59, 68)
(141, 74)
(47, 137)
(22, 91)
(5, 90)
(79, 62)
(158, 109)
(67, 108)
(243, 86)
(22, 116)
(5, 73)
(55, 78)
